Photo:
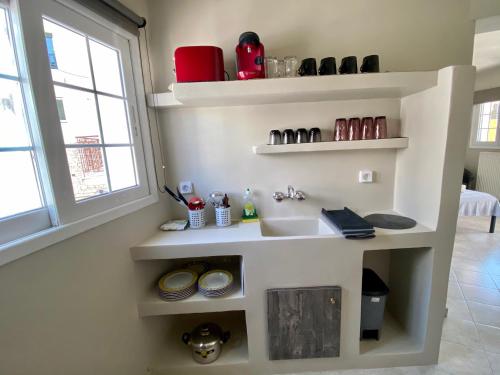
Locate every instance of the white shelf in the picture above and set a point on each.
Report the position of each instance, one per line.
(393, 340)
(332, 146)
(294, 90)
(153, 305)
(174, 357)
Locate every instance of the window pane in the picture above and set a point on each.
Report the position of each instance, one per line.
(492, 135)
(483, 135)
(121, 167)
(68, 55)
(106, 67)
(485, 108)
(81, 124)
(88, 172)
(13, 125)
(484, 122)
(113, 120)
(19, 190)
(494, 109)
(7, 58)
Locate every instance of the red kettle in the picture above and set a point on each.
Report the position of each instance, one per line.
(250, 57)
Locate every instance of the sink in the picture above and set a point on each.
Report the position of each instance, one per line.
(294, 226)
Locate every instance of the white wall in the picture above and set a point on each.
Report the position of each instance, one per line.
(212, 147)
(70, 309)
(488, 78)
(408, 35)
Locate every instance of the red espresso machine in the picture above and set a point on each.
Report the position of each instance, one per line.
(250, 57)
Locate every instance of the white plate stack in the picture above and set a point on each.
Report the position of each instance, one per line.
(216, 283)
(177, 285)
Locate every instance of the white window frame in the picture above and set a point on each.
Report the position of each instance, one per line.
(28, 222)
(474, 143)
(69, 217)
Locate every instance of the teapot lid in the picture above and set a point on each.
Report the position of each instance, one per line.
(206, 335)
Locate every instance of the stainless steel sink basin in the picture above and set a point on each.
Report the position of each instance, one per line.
(294, 226)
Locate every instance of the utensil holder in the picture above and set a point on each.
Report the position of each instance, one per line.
(197, 218)
(223, 216)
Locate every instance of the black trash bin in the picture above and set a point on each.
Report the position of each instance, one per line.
(374, 296)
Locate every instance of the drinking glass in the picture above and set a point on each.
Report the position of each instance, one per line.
(281, 68)
(354, 129)
(340, 131)
(380, 127)
(367, 128)
(271, 67)
(291, 66)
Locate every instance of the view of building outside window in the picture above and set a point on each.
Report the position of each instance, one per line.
(92, 108)
(20, 190)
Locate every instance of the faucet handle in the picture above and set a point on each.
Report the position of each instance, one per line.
(278, 196)
(300, 195)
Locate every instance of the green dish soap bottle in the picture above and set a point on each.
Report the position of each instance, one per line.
(249, 210)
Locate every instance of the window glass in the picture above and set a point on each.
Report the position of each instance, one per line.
(20, 188)
(106, 66)
(80, 115)
(13, 126)
(68, 55)
(7, 56)
(114, 120)
(88, 173)
(487, 124)
(94, 118)
(121, 167)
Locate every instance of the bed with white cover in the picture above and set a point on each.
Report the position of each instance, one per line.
(477, 203)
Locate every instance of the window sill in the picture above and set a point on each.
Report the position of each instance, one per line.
(485, 147)
(27, 245)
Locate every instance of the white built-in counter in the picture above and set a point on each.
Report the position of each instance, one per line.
(419, 175)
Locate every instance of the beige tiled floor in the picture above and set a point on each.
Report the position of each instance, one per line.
(470, 343)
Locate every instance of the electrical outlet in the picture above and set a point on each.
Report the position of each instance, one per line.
(365, 176)
(186, 187)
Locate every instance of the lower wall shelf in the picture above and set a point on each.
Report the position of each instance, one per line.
(394, 339)
(153, 305)
(387, 143)
(175, 357)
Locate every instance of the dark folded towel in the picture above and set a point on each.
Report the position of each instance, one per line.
(349, 223)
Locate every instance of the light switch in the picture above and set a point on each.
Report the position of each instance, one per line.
(186, 187)
(365, 176)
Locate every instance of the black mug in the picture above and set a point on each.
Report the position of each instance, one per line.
(308, 67)
(349, 65)
(370, 64)
(288, 137)
(301, 136)
(328, 66)
(315, 135)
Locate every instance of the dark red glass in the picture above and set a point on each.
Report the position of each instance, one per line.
(380, 127)
(367, 128)
(354, 129)
(340, 131)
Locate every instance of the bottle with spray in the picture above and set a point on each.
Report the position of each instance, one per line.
(249, 210)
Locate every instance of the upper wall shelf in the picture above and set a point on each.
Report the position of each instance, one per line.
(294, 90)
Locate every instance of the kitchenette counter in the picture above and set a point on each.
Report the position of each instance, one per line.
(163, 245)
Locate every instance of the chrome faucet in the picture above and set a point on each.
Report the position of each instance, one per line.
(291, 194)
